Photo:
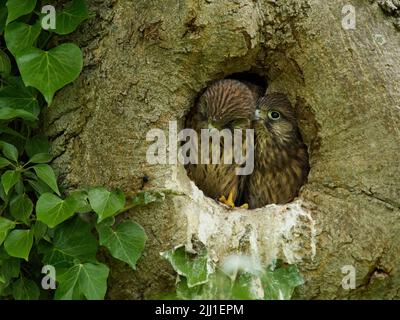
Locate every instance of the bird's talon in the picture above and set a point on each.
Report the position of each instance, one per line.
(244, 206)
(229, 202)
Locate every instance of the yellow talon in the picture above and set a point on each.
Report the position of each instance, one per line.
(229, 202)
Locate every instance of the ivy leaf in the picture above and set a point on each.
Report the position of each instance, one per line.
(9, 151)
(20, 36)
(4, 162)
(41, 158)
(9, 179)
(49, 71)
(17, 96)
(19, 8)
(11, 132)
(39, 186)
(46, 174)
(73, 240)
(39, 231)
(37, 144)
(93, 280)
(146, 197)
(25, 289)
(21, 207)
(19, 243)
(126, 242)
(106, 203)
(10, 267)
(52, 210)
(3, 15)
(5, 227)
(10, 113)
(193, 267)
(71, 17)
(280, 281)
(5, 65)
(89, 280)
(81, 199)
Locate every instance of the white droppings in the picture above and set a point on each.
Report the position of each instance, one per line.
(274, 231)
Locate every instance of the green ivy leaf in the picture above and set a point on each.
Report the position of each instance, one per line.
(19, 8)
(21, 207)
(106, 203)
(73, 240)
(93, 280)
(21, 36)
(81, 199)
(71, 17)
(4, 162)
(193, 267)
(126, 242)
(37, 144)
(52, 210)
(19, 243)
(5, 227)
(41, 158)
(3, 15)
(9, 179)
(39, 186)
(145, 197)
(9, 151)
(89, 280)
(280, 281)
(46, 174)
(5, 65)
(19, 97)
(10, 113)
(10, 267)
(49, 71)
(25, 289)
(220, 287)
(11, 132)
(39, 231)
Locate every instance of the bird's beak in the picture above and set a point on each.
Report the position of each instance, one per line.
(257, 115)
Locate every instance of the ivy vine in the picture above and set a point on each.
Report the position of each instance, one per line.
(42, 226)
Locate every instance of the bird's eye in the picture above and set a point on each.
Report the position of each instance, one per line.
(274, 115)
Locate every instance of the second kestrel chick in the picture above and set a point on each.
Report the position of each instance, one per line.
(280, 158)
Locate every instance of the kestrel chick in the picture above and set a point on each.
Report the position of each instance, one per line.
(226, 104)
(280, 156)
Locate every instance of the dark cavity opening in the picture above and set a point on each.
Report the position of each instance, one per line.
(213, 180)
(250, 77)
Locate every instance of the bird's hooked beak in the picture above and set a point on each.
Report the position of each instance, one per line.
(257, 115)
(210, 126)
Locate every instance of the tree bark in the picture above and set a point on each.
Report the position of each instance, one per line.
(145, 64)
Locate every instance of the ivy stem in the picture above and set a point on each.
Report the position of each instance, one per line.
(126, 208)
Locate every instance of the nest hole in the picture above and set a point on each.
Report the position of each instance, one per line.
(200, 173)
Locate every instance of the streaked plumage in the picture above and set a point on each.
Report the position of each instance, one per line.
(226, 104)
(281, 158)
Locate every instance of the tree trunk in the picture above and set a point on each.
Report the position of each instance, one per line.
(145, 64)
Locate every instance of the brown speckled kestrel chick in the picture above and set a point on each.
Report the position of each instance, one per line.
(280, 157)
(226, 104)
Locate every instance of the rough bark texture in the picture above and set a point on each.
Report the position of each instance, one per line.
(146, 62)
